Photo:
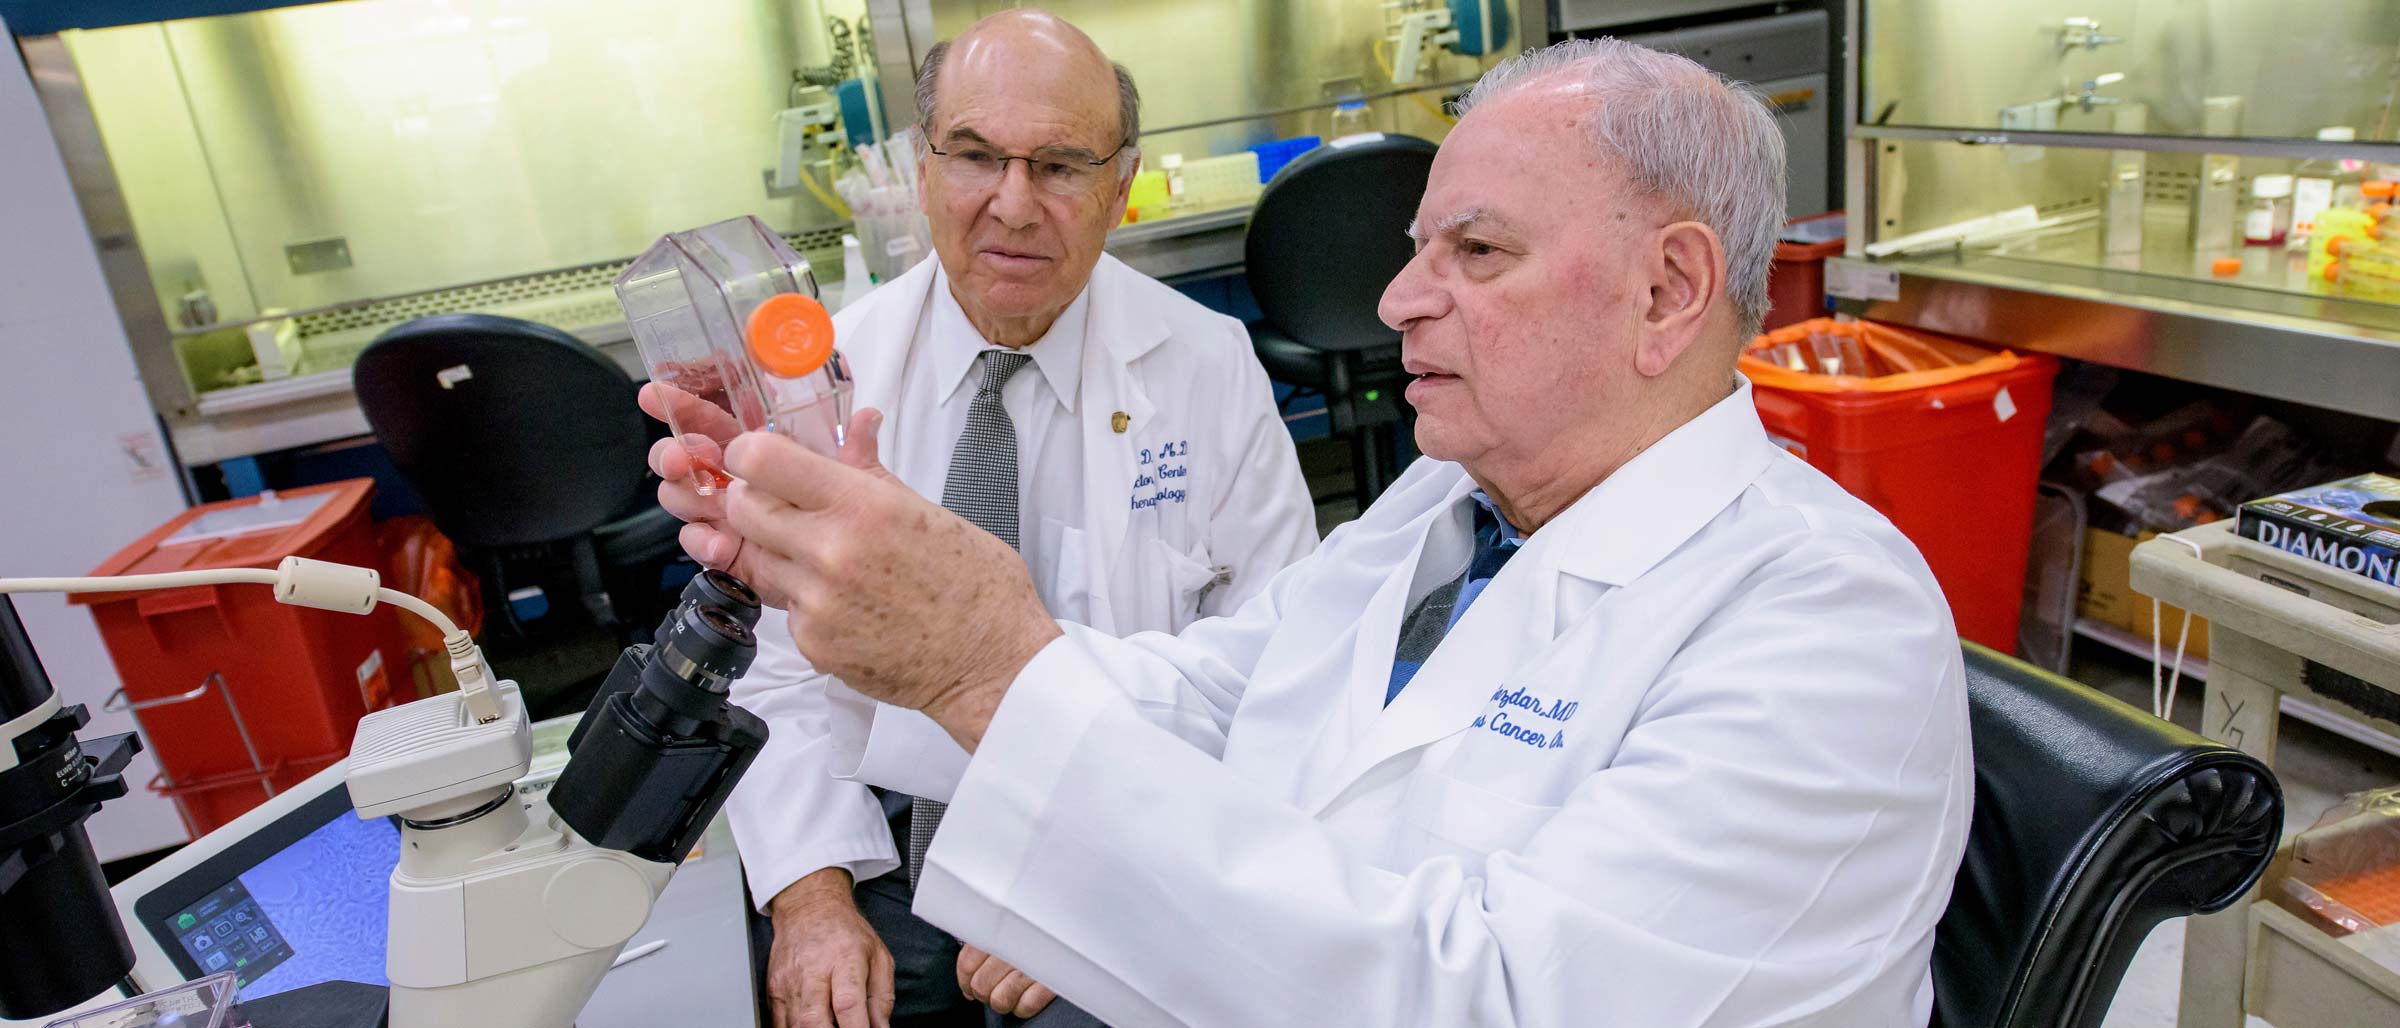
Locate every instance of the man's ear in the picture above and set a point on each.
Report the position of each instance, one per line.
(1125, 181)
(1687, 275)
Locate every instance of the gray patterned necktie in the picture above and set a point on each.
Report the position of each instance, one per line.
(982, 488)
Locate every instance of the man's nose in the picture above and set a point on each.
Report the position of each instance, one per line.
(1412, 296)
(1016, 200)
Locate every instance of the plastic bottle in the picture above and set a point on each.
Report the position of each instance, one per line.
(2270, 219)
(2349, 186)
(1350, 118)
(806, 381)
(1178, 195)
(726, 316)
(2319, 184)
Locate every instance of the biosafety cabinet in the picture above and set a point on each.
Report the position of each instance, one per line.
(2194, 188)
(272, 183)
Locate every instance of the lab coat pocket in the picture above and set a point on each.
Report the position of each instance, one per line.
(1065, 579)
(1172, 585)
(1469, 821)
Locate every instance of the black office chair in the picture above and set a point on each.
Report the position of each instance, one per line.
(1328, 235)
(524, 441)
(2093, 823)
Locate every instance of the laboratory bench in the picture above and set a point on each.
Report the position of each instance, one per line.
(703, 975)
(316, 405)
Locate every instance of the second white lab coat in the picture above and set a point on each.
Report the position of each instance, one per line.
(1696, 757)
(1166, 386)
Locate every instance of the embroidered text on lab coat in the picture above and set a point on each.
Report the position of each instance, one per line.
(1523, 729)
(1162, 475)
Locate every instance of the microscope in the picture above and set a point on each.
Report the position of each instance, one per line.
(507, 910)
(49, 785)
(504, 909)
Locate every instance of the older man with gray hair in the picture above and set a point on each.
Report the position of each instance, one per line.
(1609, 713)
(1122, 439)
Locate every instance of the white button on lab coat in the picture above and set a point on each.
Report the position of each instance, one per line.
(1160, 485)
(1696, 757)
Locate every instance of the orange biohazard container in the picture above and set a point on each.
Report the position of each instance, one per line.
(1943, 437)
(240, 697)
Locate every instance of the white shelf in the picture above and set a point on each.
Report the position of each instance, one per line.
(2121, 640)
(2300, 708)
(2307, 710)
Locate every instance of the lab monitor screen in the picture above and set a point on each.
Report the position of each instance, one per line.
(301, 901)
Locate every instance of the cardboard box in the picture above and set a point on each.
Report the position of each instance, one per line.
(2105, 594)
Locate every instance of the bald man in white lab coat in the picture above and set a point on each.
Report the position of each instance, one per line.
(1610, 713)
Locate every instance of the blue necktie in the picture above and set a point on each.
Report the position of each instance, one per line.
(1440, 610)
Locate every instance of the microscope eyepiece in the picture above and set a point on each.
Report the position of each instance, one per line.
(725, 624)
(661, 746)
(714, 588)
(706, 646)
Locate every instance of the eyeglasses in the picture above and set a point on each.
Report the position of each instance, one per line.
(1059, 170)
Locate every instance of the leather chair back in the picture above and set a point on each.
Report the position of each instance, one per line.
(2093, 823)
(512, 432)
(1329, 233)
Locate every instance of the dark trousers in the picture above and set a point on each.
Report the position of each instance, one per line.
(925, 968)
(924, 958)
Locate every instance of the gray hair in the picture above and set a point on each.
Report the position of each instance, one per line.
(1129, 105)
(1685, 135)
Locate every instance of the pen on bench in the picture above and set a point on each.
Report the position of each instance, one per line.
(638, 952)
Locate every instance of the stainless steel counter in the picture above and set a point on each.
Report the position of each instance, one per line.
(2260, 331)
(1199, 245)
(319, 407)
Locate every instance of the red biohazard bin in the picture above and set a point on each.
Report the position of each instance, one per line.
(1942, 436)
(238, 696)
(1796, 281)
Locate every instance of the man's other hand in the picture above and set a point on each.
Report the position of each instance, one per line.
(706, 431)
(990, 981)
(828, 968)
(903, 601)
(680, 461)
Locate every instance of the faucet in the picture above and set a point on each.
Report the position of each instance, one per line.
(2089, 96)
(2083, 32)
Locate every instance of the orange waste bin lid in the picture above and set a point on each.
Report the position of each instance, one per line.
(1896, 360)
(251, 532)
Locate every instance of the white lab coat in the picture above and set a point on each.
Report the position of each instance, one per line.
(1698, 756)
(1188, 385)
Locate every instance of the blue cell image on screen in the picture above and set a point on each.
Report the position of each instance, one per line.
(312, 913)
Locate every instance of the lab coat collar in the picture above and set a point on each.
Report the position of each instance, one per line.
(1117, 411)
(1372, 730)
(956, 343)
(1124, 322)
(1611, 536)
(1663, 496)
(878, 334)
(1120, 320)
